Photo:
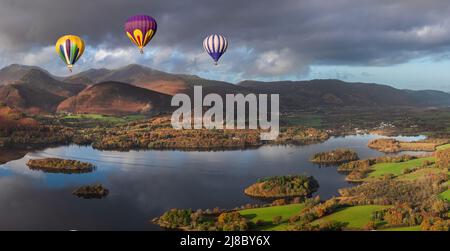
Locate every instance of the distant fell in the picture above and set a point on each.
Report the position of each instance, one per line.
(115, 98)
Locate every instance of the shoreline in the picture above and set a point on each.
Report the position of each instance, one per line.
(202, 149)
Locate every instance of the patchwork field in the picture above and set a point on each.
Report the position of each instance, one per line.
(266, 215)
(446, 195)
(421, 173)
(354, 217)
(104, 117)
(397, 168)
(443, 147)
(408, 229)
(92, 120)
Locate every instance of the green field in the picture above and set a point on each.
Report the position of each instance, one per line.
(266, 214)
(307, 120)
(424, 172)
(396, 168)
(413, 228)
(443, 147)
(105, 118)
(354, 217)
(446, 195)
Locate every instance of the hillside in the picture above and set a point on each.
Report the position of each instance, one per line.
(136, 75)
(36, 91)
(319, 93)
(41, 80)
(430, 97)
(10, 118)
(159, 81)
(15, 72)
(115, 98)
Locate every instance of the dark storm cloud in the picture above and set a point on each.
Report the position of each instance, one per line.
(357, 32)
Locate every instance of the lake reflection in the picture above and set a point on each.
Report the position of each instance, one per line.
(144, 184)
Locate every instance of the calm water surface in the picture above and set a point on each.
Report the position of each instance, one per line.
(144, 184)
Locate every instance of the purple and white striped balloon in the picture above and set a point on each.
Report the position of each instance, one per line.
(215, 45)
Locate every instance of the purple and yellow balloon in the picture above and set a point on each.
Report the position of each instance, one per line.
(140, 30)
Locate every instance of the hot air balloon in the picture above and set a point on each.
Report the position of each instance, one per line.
(215, 45)
(70, 48)
(140, 30)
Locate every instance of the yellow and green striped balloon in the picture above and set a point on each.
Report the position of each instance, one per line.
(70, 48)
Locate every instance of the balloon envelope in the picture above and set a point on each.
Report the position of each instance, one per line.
(70, 48)
(215, 45)
(140, 30)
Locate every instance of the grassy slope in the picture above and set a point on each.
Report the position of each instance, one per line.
(266, 214)
(446, 195)
(413, 228)
(355, 217)
(396, 168)
(421, 173)
(443, 147)
(308, 120)
(100, 117)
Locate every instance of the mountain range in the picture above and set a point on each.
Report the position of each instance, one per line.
(135, 89)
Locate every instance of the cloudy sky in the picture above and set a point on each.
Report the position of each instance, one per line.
(404, 43)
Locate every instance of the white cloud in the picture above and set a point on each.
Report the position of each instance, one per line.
(163, 55)
(275, 62)
(41, 56)
(111, 57)
(432, 33)
(276, 65)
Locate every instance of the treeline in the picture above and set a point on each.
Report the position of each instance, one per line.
(443, 158)
(315, 209)
(34, 137)
(430, 218)
(390, 145)
(186, 219)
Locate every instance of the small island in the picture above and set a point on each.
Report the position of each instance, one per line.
(335, 157)
(91, 192)
(55, 165)
(283, 187)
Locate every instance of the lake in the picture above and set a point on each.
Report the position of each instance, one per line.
(144, 184)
